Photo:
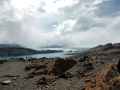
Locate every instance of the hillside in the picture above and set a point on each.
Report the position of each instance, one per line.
(17, 50)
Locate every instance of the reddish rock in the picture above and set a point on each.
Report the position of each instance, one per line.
(105, 79)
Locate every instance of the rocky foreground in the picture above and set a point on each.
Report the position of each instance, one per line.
(96, 69)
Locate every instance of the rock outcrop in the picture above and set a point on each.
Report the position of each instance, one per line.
(106, 79)
(48, 71)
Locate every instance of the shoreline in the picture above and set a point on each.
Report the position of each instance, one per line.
(99, 68)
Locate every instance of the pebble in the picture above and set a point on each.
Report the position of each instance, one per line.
(6, 82)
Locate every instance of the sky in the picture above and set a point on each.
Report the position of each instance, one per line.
(63, 23)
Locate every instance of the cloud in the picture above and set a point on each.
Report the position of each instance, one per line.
(109, 8)
(67, 23)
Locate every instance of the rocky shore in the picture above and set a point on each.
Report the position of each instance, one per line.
(96, 69)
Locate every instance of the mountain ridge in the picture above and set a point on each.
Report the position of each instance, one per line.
(17, 50)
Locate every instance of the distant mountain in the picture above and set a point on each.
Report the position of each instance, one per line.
(9, 45)
(54, 46)
(107, 49)
(17, 50)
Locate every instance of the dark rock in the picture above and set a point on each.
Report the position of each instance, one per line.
(61, 66)
(11, 75)
(36, 67)
(118, 66)
(42, 81)
(29, 76)
(88, 66)
(66, 75)
(40, 72)
(2, 61)
(28, 67)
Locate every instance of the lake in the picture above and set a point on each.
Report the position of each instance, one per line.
(49, 55)
(65, 53)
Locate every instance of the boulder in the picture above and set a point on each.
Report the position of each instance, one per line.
(61, 66)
